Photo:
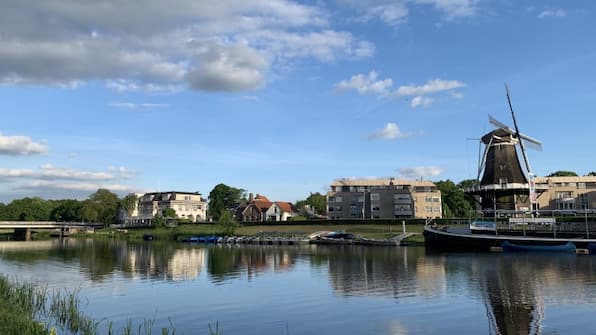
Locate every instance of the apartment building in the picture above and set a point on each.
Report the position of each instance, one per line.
(383, 198)
(187, 205)
(572, 194)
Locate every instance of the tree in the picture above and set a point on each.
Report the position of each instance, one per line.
(29, 209)
(227, 223)
(454, 202)
(106, 204)
(129, 203)
(89, 212)
(315, 200)
(223, 197)
(563, 173)
(68, 210)
(592, 173)
(159, 221)
(169, 212)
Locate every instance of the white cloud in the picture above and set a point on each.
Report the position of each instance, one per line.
(228, 68)
(552, 13)
(47, 185)
(159, 46)
(432, 86)
(421, 101)
(50, 172)
(392, 14)
(133, 105)
(325, 45)
(366, 84)
(20, 146)
(453, 9)
(390, 132)
(395, 12)
(420, 171)
(457, 95)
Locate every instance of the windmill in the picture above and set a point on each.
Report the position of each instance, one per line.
(505, 184)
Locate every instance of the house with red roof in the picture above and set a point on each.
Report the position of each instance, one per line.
(259, 208)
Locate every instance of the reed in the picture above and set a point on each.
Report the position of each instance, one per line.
(27, 309)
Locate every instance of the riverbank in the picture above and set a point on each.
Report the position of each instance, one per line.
(294, 231)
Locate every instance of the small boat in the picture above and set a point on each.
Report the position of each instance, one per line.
(339, 235)
(511, 247)
(148, 237)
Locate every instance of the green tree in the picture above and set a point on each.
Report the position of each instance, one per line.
(563, 173)
(129, 203)
(227, 223)
(315, 200)
(89, 212)
(106, 204)
(592, 173)
(453, 200)
(169, 212)
(223, 197)
(159, 221)
(68, 210)
(29, 209)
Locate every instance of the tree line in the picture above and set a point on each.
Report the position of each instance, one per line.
(102, 206)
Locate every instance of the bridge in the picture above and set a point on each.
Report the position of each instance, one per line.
(22, 229)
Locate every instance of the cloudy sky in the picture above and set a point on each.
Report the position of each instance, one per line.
(281, 97)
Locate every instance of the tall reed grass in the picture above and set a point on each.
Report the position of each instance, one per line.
(28, 309)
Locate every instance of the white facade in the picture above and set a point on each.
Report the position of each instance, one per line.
(187, 205)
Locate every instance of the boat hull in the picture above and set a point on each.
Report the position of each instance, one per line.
(466, 241)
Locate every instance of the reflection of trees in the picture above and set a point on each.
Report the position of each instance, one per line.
(226, 262)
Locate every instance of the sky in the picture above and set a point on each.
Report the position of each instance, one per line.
(282, 97)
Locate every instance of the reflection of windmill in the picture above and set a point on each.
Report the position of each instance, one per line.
(505, 186)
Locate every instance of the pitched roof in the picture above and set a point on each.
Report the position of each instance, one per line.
(287, 207)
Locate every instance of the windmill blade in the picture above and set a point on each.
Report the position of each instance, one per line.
(497, 123)
(521, 143)
(531, 142)
(532, 145)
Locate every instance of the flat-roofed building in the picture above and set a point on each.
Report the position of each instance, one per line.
(573, 194)
(383, 198)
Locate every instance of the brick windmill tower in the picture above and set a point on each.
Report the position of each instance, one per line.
(504, 186)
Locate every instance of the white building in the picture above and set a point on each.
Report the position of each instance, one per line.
(187, 205)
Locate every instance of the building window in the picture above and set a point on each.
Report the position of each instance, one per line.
(376, 208)
(331, 199)
(375, 197)
(353, 210)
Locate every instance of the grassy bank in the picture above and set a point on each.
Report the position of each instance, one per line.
(366, 230)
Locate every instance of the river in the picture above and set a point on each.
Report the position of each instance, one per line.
(312, 289)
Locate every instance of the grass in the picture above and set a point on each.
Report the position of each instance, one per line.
(27, 309)
(366, 230)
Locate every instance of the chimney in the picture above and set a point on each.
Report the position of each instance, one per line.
(250, 197)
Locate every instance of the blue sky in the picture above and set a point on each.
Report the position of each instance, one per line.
(281, 97)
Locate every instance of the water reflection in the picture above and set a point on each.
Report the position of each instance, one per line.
(227, 262)
(514, 291)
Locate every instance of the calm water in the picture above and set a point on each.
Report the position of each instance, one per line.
(314, 289)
